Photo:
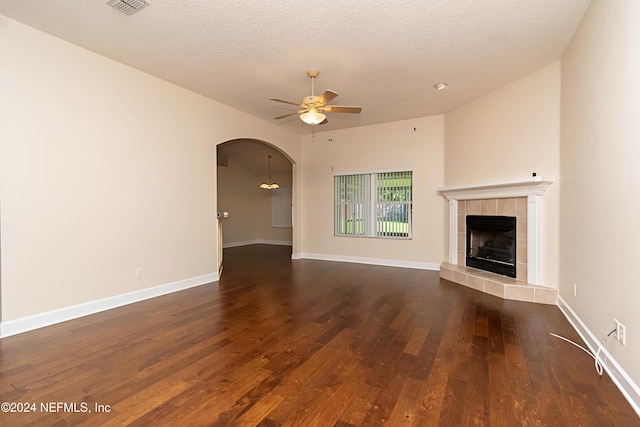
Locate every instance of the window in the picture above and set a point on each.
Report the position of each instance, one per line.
(373, 204)
(281, 210)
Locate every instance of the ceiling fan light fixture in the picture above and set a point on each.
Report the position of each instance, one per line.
(441, 86)
(314, 107)
(312, 117)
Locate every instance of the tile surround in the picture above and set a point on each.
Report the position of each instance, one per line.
(511, 206)
(520, 198)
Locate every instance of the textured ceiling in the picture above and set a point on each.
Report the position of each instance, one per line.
(384, 56)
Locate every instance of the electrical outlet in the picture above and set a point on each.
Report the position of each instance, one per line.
(575, 289)
(138, 273)
(621, 332)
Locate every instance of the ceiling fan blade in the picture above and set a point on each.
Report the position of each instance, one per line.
(326, 97)
(286, 115)
(286, 102)
(324, 122)
(341, 109)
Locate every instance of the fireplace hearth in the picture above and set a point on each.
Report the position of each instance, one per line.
(522, 198)
(491, 243)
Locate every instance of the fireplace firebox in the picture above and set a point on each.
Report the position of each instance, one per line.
(491, 244)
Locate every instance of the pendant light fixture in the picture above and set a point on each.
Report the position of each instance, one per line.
(269, 185)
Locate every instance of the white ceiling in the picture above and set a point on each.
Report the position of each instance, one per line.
(384, 56)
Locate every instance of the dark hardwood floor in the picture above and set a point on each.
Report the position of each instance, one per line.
(310, 343)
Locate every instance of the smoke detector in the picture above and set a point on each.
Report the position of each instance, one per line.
(128, 7)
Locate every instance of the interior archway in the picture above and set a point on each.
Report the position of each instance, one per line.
(256, 216)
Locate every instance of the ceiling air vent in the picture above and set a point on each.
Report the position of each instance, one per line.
(128, 7)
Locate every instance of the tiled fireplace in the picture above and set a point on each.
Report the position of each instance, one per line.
(521, 199)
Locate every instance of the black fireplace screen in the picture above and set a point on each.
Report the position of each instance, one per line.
(491, 243)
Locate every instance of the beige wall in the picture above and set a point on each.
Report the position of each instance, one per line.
(601, 175)
(237, 194)
(383, 146)
(249, 207)
(509, 134)
(104, 169)
(267, 233)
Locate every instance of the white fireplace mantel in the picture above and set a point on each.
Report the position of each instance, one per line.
(533, 188)
(535, 185)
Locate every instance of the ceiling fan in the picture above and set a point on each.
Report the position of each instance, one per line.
(314, 107)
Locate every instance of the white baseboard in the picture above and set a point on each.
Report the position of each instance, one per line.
(372, 261)
(629, 389)
(237, 244)
(257, 242)
(36, 321)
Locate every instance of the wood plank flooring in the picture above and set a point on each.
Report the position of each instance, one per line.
(310, 343)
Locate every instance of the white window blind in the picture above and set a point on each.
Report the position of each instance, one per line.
(281, 201)
(373, 204)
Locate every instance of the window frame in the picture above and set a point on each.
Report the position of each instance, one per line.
(369, 204)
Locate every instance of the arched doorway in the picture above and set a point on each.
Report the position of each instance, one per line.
(256, 215)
